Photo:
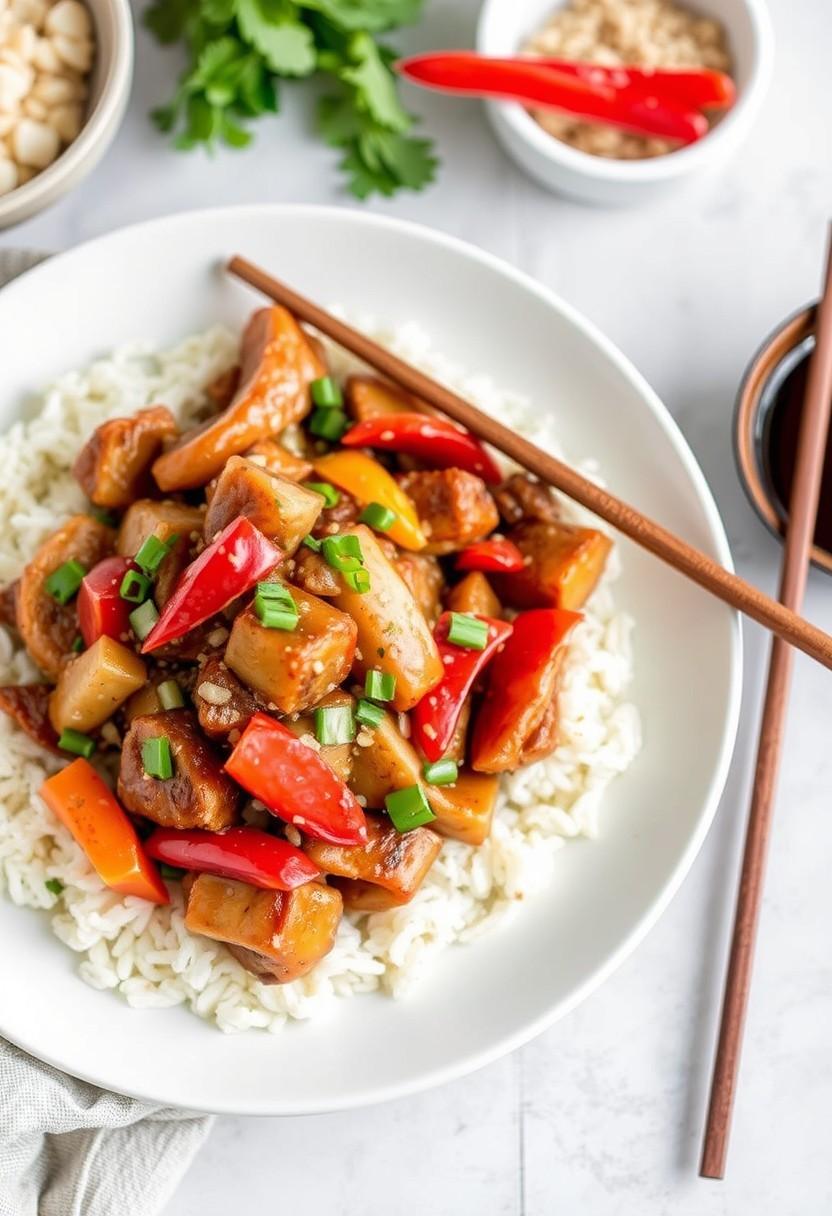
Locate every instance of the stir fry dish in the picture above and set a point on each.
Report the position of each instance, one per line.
(287, 652)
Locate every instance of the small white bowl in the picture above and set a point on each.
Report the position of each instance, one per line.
(505, 25)
(109, 91)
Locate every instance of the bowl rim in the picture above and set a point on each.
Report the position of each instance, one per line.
(532, 1026)
(778, 344)
(35, 194)
(520, 124)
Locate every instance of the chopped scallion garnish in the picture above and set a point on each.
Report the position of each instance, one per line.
(358, 580)
(156, 758)
(326, 392)
(274, 606)
(153, 552)
(467, 631)
(334, 724)
(73, 741)
(328, 424)
(377, 516)
(143, 618)
(380, 685)
(62, 584)
(54, 886)
(135, 587)
(441, 772)
(343, 552)
(78, 644)
(170, 695)
(108, 518)
(408, 808)
(368, 714)
(312, 543)
(327, 492)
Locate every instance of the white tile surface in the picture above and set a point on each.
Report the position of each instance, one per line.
(603, 1114)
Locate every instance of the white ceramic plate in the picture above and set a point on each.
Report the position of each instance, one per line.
(162, 280)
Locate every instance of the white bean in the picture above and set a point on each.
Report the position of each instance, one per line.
(35, 143)
(7, 122)
(54, 90)
(23, 41)
(70, 18)
(75, 54)
(9, 176)
(15, 83)
(44, 56)
(67, 120)
(33, 108)
(30, 12)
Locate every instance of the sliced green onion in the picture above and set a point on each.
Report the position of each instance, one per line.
(343, 552)
(134, 587)
(54, 886)
(334, 724)
(328, 423)
(73, 741)
(63, 583)
(274, 607)
(441, 772)
(143, 619)
(78, 644)
(171, 873)
(312, 543)
(380, 685)
(369, 714)
(467, 631)
(328, 493)
(408, 808)
(156, 758)
(358, 580)
(152, 552)
(326, 392)
(377, 516)
(170, 695)
(108, 518)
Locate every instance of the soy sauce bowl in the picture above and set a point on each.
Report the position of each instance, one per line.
(763, 440)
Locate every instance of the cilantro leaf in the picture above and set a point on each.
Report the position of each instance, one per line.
(373, 83)
(375, 16)
(270, 26)
(167, 19)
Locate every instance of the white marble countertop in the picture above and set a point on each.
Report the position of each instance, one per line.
(602, 1114)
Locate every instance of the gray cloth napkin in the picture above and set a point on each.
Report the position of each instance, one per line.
(68, 1148)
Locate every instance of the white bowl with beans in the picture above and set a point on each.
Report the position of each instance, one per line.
(65, 73)
(506, 27)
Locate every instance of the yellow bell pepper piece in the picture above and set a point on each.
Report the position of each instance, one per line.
(368, 481)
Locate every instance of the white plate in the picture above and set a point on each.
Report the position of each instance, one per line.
(162, 280)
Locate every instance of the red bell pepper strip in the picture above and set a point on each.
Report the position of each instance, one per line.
(101, 610)
(534, 83)
(433, 720)
(501, 555)
(437, 441)
(85, 806)
(245, 853)
(695, 87)
(521, 683)
(294, 783)
(227, 568)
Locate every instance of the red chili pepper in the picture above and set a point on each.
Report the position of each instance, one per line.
(294, 783)
(521, 682)
(491, 555)
(227, 568)
(245, 853)
(434, 718)
(533, 82)
(695, 87)
(437, 441)
(101, 610)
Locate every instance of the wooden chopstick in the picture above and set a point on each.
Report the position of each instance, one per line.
(803, 508)
(639, 528)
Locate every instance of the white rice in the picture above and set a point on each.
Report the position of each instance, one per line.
(144, 952)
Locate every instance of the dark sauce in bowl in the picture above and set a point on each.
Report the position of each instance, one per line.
(781, 407)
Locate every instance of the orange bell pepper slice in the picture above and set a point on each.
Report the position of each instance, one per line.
(87, 808)
(368, 481)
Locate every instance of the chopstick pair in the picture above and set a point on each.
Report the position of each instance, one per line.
(669, 548)
(669, 104)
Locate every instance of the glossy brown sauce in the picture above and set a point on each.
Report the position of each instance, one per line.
(781, 413)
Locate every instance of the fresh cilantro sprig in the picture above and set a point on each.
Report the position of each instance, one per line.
(240, 51)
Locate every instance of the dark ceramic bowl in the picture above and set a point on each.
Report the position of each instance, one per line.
(788, 346)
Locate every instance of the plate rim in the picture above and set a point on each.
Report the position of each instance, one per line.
(531, 1028)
